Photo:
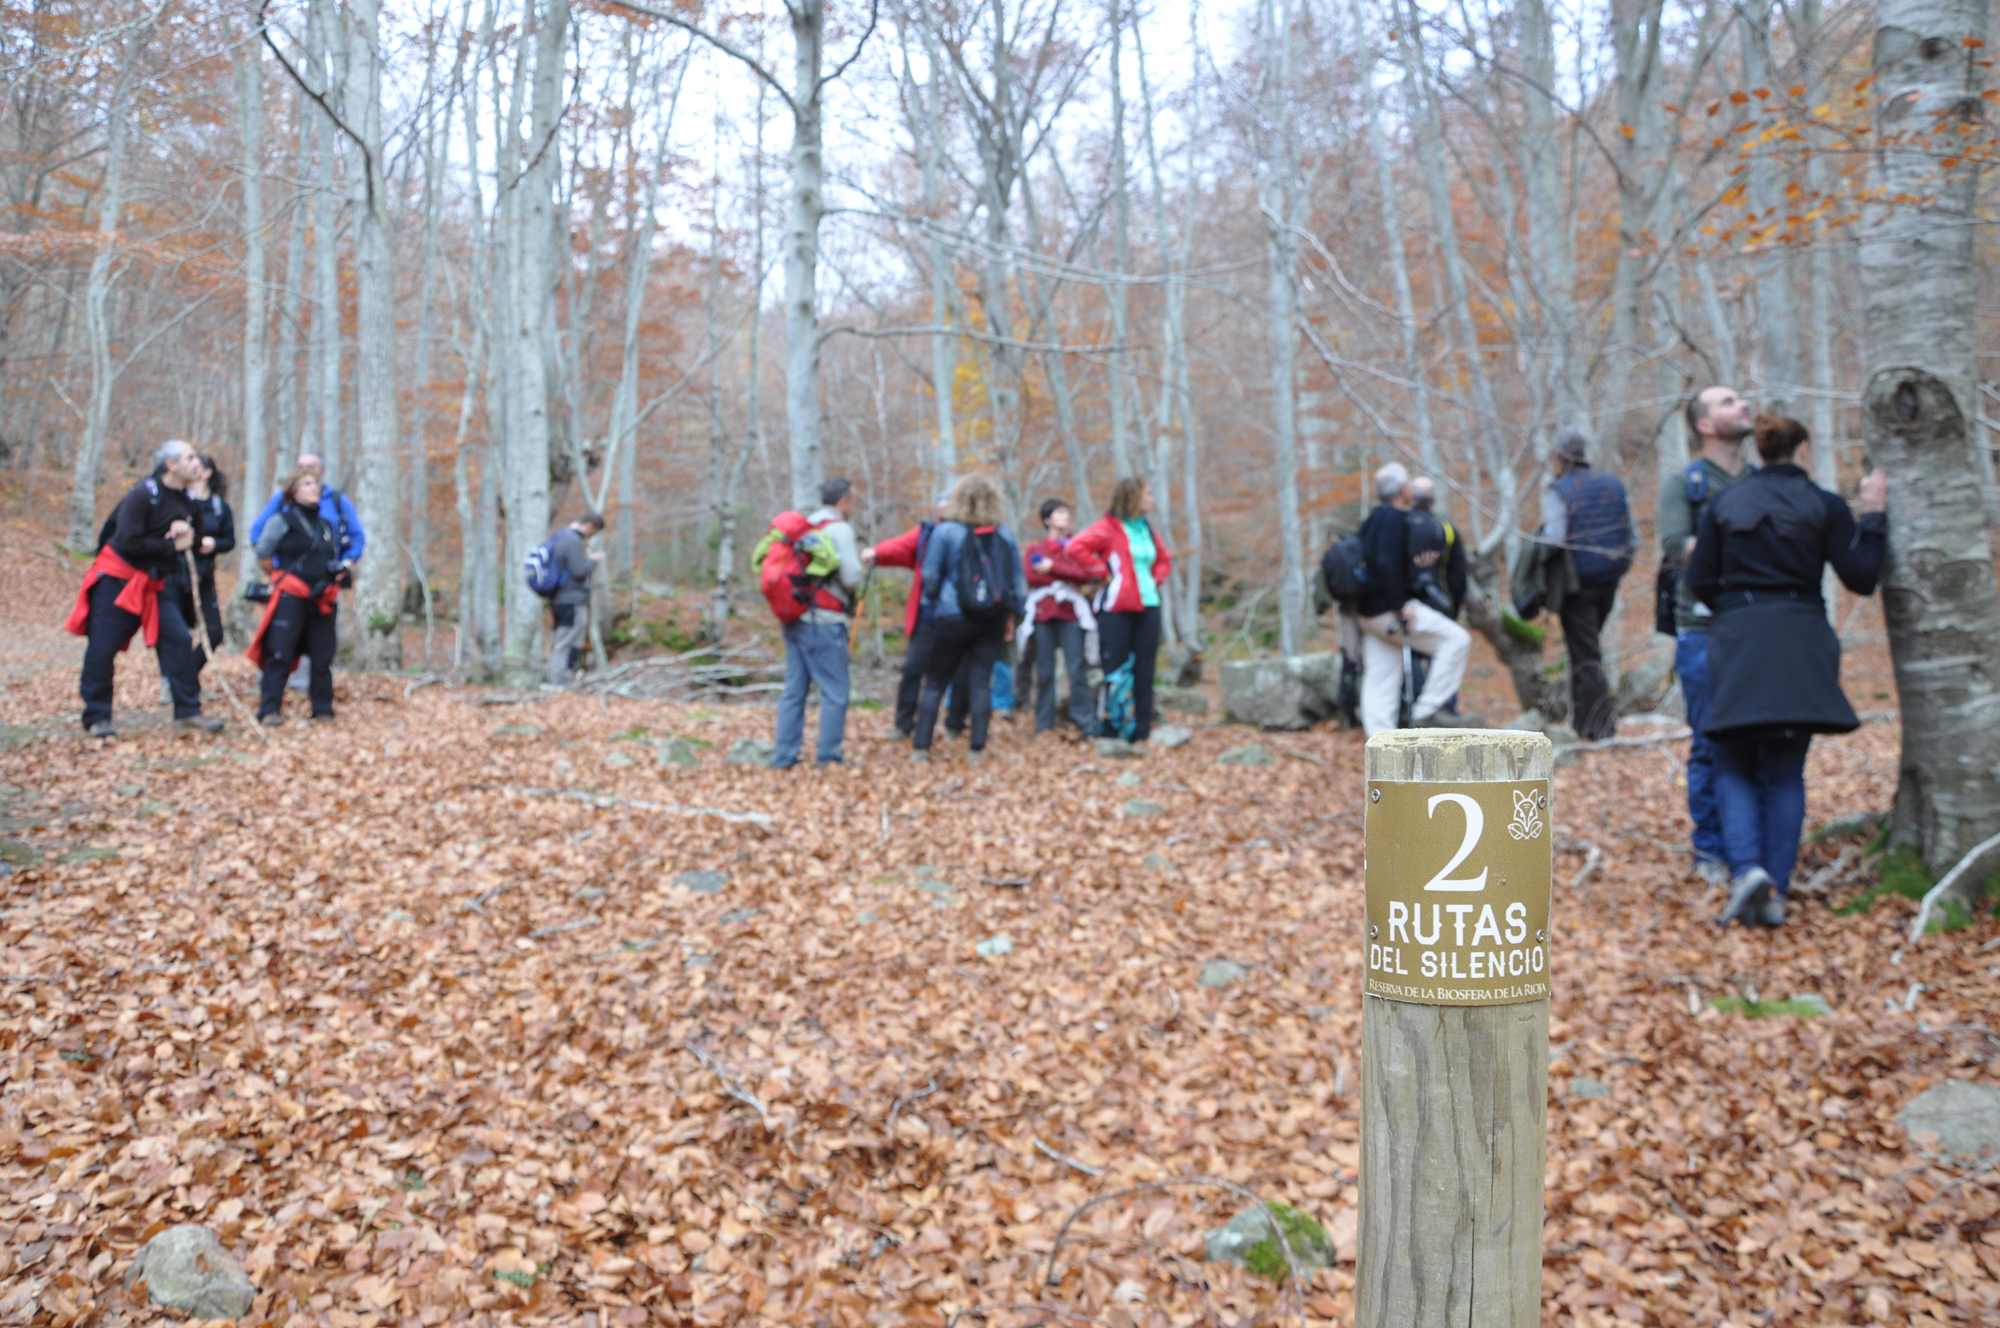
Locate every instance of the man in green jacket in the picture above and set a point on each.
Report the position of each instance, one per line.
(1718, 421)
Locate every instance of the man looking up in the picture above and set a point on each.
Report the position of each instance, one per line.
(1392, 618)
(1718, 420)
(152, 526)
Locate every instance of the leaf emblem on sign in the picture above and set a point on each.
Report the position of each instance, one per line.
(1527, 822)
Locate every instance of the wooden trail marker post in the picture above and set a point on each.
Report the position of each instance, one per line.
(1454, 1029)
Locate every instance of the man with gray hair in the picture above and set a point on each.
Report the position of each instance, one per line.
(1393, 618)
(152, 527)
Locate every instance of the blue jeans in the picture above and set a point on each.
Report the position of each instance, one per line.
(1760, 789)
(1691, 664)
(815, 655)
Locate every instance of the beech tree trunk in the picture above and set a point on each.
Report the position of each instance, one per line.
(1276, 180)
(1918, 282)
(250, 127)
(802, 253)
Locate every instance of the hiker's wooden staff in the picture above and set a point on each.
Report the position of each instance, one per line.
(200, 630)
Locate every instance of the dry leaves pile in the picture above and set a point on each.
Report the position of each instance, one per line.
(423, 1047)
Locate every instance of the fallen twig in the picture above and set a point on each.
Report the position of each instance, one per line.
(1066, 1160)
(730, 1084)
(429, 679)
(602, 801)
(1012, 882)
(1828, 876)
(1603, 744)
(902, 1102)
(1593, 858)
(1937, 893)
(561, 927)
(478, 905)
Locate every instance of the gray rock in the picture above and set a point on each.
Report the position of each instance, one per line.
(1140, 807)
(1528, 721)
(994, 946)
(518, 730)
(1169, 736)
(1964, 1116)
(1237, 1243)
(678, 752)
(703, 882)
(736, 915)
(1130, 780)
(1118, 749)
(589, 892)
(751, 751)
(1582, 1087)
(1182, 700)
(185, 1268)
(618, 760)
(1254, 754)
(1160, 863)
(1219, 973)
(1293, 692)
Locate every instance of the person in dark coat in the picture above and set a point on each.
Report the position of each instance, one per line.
(1774, 659)
(1585, 511)
(214, 535)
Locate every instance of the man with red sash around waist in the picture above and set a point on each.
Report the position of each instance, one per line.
(300, 552)
(152, 526)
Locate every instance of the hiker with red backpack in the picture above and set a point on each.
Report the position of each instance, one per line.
(972, 588)
(809, 570)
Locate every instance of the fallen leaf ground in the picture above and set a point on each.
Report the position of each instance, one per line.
(422, 1047)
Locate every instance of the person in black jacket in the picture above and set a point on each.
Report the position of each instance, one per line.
(1774, 660)
(214, 535)
(151, 526)
(299, 550)
(1393, 617)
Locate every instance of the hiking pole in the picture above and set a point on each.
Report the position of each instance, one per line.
(860, 607)
(200, 630)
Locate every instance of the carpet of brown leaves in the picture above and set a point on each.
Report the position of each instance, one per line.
(423, 1047)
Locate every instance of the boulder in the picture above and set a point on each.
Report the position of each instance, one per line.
(678, 751)
(751, 751)
(1964, 1117)
(185, 1268)
(1219, 973)
(1250, 1242)
(1292, 692)
(1182, 700)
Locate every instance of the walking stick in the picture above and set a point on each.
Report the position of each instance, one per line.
(201, 644)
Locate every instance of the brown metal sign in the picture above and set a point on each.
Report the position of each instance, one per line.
(1458, 892)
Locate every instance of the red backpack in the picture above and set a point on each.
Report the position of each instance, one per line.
(794, 560)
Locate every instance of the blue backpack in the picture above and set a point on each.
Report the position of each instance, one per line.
(545, 572)
(1121, 717)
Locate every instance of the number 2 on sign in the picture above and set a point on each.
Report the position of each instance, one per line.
(1475, 825)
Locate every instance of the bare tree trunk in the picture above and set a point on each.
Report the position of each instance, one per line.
(722, 591)
(1277, 173)
(925, 131)
(1548, 218)
(378, 584)
(96, 292)
(420, 442)
(528, 434)
(291, 380)
(250, 130)
(1771, 266)
(802, 252)
(325, 356)
(1919, 280)
(1120, 386)
(1635, 41)
(1056, 366)
(1173, 348)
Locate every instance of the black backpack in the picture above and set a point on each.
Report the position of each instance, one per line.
(979, 579)
(1344, 571)
(110, 522)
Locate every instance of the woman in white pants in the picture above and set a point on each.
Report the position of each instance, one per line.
(1391, 617)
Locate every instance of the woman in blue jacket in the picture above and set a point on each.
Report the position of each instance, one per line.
(972, 593)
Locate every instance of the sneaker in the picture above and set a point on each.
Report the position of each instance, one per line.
(920, 756)
(1773, 912)
(166, 693)
(1747, 897)
(272, 721)
(977, 756)
(1713, 874)
(322, 719)
(200, 724)
(102, 729)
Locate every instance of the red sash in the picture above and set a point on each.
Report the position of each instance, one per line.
(287, 584)
(140, 596)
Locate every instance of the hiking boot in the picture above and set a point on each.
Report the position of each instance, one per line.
(920, 756)
(199, 724)
(102, 729)
(1747, 897)
(1773, 913)
(166, 692)
(272, 721)
(322, 719)
(977, 756)
(1713, 874)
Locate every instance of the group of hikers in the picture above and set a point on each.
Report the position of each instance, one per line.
(154, 574)
(1743, 550)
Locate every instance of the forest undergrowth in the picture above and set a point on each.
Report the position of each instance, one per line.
(463, 1011)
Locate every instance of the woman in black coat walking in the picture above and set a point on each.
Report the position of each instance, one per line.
(1774, 660)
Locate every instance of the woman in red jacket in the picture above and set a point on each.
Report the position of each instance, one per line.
(1122, 550)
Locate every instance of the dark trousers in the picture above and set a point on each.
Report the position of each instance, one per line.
(962, 658)
(209, 613)
(297, 628)
(1134, 636)
(110, 628)
(1065, 635)
(1760, 793)
(910, 690)
(1593, 714)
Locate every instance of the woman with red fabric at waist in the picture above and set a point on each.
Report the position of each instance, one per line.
(300, 552)
(1122, 550)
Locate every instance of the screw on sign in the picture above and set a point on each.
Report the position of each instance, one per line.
(1455, 1029)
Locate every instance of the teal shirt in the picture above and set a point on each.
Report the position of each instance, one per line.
(1140, 536)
